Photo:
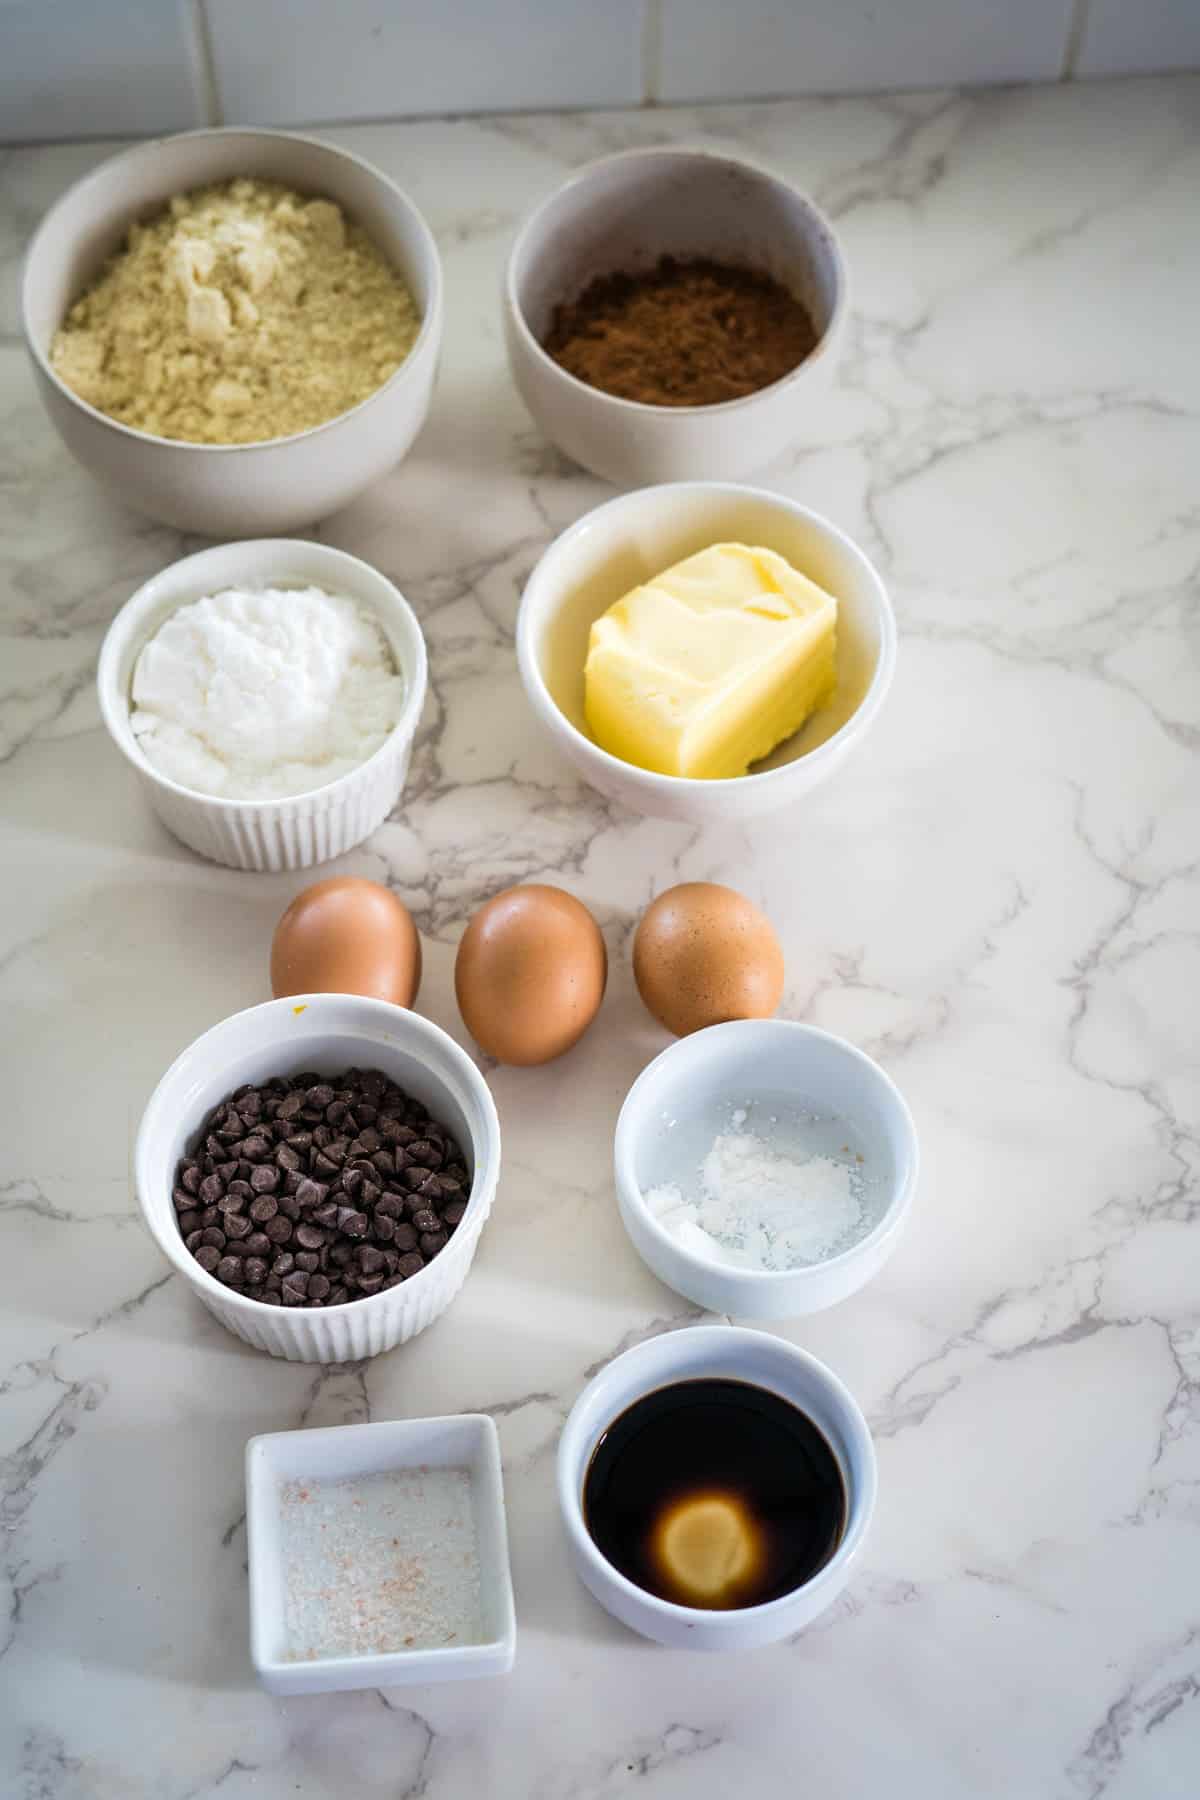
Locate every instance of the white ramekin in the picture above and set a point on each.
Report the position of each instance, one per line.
(468, 1441)
(633, 538)
(326, 1033)
(732, 1064)
(231, 490)
(623, 213)
(304, 828)
(720, 1351)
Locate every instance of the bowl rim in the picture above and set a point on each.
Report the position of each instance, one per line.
(173, 1247)
(111, 700)
(553, 716)
(700, 154)
(737, 1337)
(430, 326)
(629, 1191)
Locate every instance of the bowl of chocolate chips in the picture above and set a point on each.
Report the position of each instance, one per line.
(319, 1169)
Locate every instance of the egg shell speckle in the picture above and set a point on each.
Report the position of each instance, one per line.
(703, 954)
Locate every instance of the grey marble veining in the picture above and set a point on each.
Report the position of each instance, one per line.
(998, 897)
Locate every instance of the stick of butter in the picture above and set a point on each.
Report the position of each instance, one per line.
(708, 667)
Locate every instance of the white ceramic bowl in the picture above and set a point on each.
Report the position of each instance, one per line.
(303, 829)
(720, 1351)
(623, 213)
(339, 1453)
(239, 490)
(634, 537)
(771, 1059)
(326, 1033)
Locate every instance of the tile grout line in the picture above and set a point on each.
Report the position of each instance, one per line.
(204, 74)
(651, 52)
(1076, 27)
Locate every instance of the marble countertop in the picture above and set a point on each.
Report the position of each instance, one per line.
(998, 897)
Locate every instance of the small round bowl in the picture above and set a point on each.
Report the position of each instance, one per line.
(326, 1033)
(720, 1351)
(624, 213)
(231, 490)
(301, 829)
(635, 537)
(772, 1060)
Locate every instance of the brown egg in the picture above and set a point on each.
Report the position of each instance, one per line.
(702, 954)
(530, 974)
(347, 936)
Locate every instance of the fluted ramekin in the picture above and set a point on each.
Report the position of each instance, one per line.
(303, 829)
(326, 1033)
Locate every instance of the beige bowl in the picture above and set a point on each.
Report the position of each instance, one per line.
(623, 213)
(236, 490)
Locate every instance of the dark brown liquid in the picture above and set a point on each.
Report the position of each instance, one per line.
(715, 1493)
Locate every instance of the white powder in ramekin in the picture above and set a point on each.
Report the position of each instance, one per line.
(254, 695)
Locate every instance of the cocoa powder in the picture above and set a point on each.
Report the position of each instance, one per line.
(682, 333)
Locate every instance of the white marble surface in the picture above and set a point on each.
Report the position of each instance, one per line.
(998, 897)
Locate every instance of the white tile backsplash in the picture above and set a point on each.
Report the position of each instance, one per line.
(730, 49)
(95, 68)
(285, 61)
(1127, 37)
(87, 68)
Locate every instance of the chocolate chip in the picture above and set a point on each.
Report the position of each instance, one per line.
(296, 1188)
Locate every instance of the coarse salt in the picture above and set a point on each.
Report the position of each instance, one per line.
(380, 1563)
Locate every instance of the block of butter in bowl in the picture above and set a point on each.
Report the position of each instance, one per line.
(704, 669)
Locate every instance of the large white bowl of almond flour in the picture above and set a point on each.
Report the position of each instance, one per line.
(764, 1168)
(243, 489)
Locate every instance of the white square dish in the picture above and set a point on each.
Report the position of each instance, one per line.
(343, 1452)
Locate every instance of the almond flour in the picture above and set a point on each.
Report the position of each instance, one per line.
(242, 312)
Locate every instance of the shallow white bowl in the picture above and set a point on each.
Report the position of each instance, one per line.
(634, 537)
(734, 1063)
(303, 829)
(326, 1033)
(623, 213)
(236, 490)
(339, 1453)
(737, 1355)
